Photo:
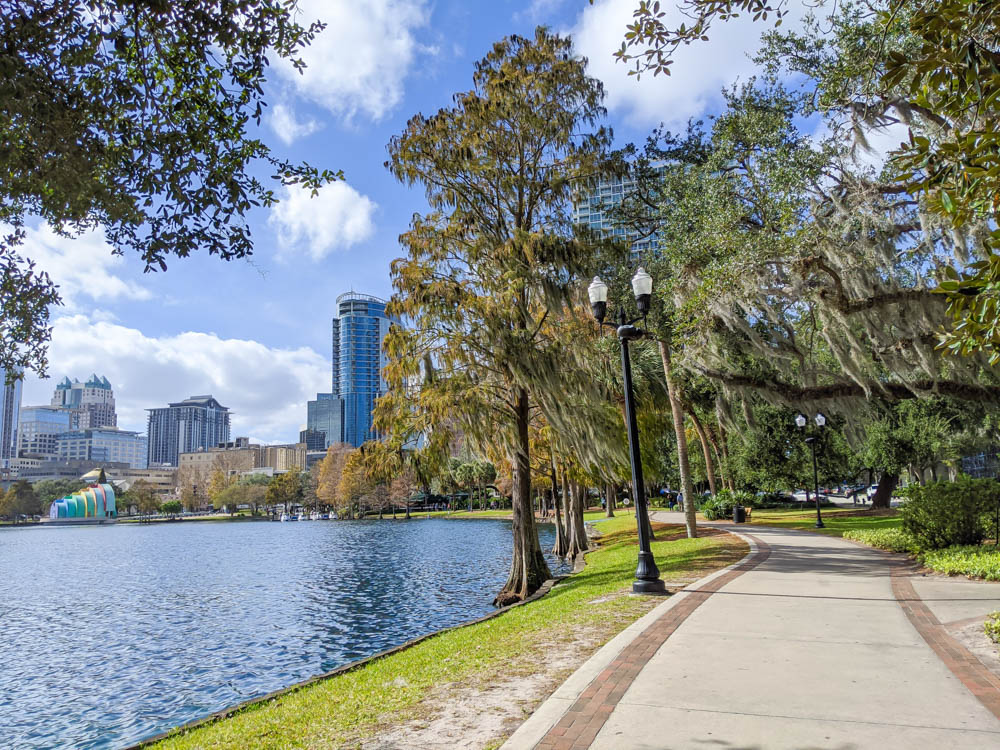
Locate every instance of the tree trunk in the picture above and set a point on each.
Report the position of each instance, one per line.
(886, 486)
(682, 447)
(559, 548)
(577, 531)
(528, 569)
(709, 464)
(609, 500)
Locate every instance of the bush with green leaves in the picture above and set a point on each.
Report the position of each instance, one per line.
(992, 627)
(976, 561)
(721, 506)
(893, 540)
(944, 514)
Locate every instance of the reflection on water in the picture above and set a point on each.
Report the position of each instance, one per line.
(111, 634)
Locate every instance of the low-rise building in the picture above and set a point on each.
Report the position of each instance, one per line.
(103, 445)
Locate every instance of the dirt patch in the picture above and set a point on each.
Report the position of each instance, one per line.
(971, 636)
(472, 717)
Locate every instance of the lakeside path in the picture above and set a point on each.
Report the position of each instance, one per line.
(810, 642)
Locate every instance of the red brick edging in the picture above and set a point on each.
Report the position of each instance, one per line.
(980, 681)
(577, 729)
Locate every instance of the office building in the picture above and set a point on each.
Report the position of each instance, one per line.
(39, 429)
(335, 359)
(103, 445)
(326, 415)
(91, 404)
(197, 423)
(593, 208)
(10, 408)
(315, 440)
(363, 327)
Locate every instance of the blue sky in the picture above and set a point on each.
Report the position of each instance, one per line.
(256, 334)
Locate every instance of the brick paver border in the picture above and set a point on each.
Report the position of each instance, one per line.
(980, 681)
(579, 726)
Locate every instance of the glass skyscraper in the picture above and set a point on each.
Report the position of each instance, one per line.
(10, 407)
(357, 369)
(593, 207)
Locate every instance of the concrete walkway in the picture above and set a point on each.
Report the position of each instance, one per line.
(810, 642)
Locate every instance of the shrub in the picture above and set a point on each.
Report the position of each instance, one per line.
(721, 506)
(974, 561)
(992, 627)
(944, 514)
(894, 540)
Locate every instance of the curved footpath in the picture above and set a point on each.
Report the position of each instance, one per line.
(810, 642)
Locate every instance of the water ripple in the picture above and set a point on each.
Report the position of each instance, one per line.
(112, 634)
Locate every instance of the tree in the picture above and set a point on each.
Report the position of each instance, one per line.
(20, 500)
(930, 65)
(171, 507)
(494, 257)
(354, 485)
(132, 117)
(143, 496)
(285, 489)
(330, 471)
(217, 485)
(53, 489)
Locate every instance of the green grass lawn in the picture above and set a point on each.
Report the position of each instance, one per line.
(350, 707)
(835, 520)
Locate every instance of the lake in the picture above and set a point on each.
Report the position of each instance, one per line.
(112, 634)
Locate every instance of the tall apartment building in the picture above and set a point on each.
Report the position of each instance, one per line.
(197, 423)
(39, 429)
(103, 445)
(10, 407)
(91, 404)
(363, 327)
(593, 205)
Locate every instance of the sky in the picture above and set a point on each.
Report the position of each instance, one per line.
(256, 334)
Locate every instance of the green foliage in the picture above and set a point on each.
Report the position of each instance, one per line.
(134, 118)
(892, 539)
(285, 489)
(992, 627)
(974, 561)
(171, 507)
(53, 489)
(943, 514)
(721, 506)
(20, 500)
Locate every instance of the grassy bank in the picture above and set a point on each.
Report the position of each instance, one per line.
(836, 521)
(974, 561)
(348, 708)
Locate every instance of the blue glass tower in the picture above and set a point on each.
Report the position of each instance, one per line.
(363, 326)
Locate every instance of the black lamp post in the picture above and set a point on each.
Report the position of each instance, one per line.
(647, 575)
(820, 420)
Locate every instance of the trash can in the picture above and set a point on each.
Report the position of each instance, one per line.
(739, 514)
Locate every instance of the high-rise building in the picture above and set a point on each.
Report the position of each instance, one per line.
(39, 429)
(197, 423)
(326, 415)
(103, 445)
(363, 327)
(335, 359)
(91, 404)
(593, 206)
(314, 440)
(10, 407)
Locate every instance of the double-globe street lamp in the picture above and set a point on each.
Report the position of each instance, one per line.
(801, 422)
(647, 575)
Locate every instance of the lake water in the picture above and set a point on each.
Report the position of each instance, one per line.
(112, 634)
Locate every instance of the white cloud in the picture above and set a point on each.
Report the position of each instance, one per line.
(700, 71)
(336, 218)
(287, 127)
(81, 266)
(359, 62)
(266, 388)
